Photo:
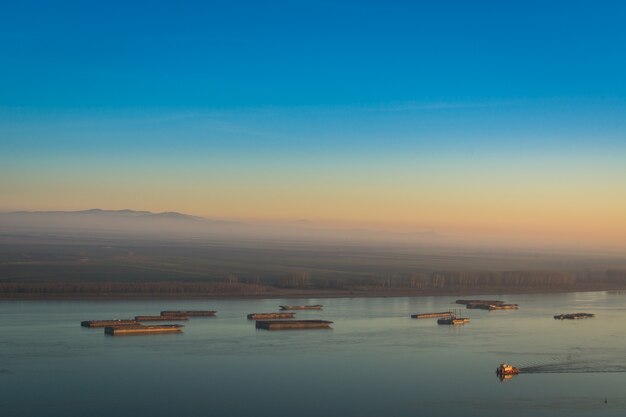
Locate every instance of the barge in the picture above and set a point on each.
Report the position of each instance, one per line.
(270, 316)
(453, 320)
(105, 323)
(142, 330)
(189, 313)
(311, 307)
(161, 318)
(292, 324)
(466, 302)
(478, 306)
(431, 315)
(573, 316)
(490, 307)
(503, 307)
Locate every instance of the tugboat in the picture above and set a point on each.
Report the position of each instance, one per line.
(506, 372)
(506, 369)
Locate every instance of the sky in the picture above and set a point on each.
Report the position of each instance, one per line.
(482, 118)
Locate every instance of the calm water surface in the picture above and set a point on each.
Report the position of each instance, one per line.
(375, 362)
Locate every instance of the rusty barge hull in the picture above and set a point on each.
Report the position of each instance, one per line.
(292, 324)
(189, 313)
(490, 307)
(142, 330)
(503, 307)
(453, 321)
(269, 316)
(161, 318)
(312, 307)
(105, 323)
(574, 316)
(431, 315)
(488, 302)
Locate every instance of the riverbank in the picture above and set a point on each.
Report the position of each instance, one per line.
(279, 293)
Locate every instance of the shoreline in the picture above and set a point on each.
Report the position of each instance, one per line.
(287, 294)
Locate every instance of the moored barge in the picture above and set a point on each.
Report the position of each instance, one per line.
(161, 318)
(270, 316)
(573, 316)
(105, 323)
(431, 315)
(488, 302)
(503, 307)
(490, 307)
(311, 307)
(292, 324)
(142, 330)
(453, 320)
(189, 313)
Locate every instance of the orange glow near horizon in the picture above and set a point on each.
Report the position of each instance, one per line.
(562, 204)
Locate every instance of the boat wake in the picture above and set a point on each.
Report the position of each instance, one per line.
(573, 367)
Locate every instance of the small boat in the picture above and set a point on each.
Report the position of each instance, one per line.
(311, 307)
(505, 369)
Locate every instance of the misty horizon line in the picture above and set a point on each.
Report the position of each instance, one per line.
(171, 223)
(231, 220)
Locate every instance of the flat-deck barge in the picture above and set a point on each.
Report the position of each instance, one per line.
(573, 316)
(311, 307)
(488, 302)
(490, 307)
(270, 316)
(105, 323)
(453, 320)
(292, 324)
(142, 330)
(161, 318)
(189, 313)
(431, 315)
(503, 307)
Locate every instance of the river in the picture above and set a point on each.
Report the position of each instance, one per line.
(376, 361)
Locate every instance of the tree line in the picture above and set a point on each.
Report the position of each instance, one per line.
(305, 280)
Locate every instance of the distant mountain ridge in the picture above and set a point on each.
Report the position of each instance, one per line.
(123, 213)
(123, 221)
(171, 223)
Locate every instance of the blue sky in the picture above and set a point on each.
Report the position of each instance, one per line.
(256, 54)
(418, 74)
(242, 99)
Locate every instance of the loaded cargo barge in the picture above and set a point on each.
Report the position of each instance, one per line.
(312, 307)
(189, 313)
(431, 315)
(142, 330)
(293, 324)
(105, 323)
(269, 316)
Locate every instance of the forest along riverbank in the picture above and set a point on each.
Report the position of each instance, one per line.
(130, 291)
